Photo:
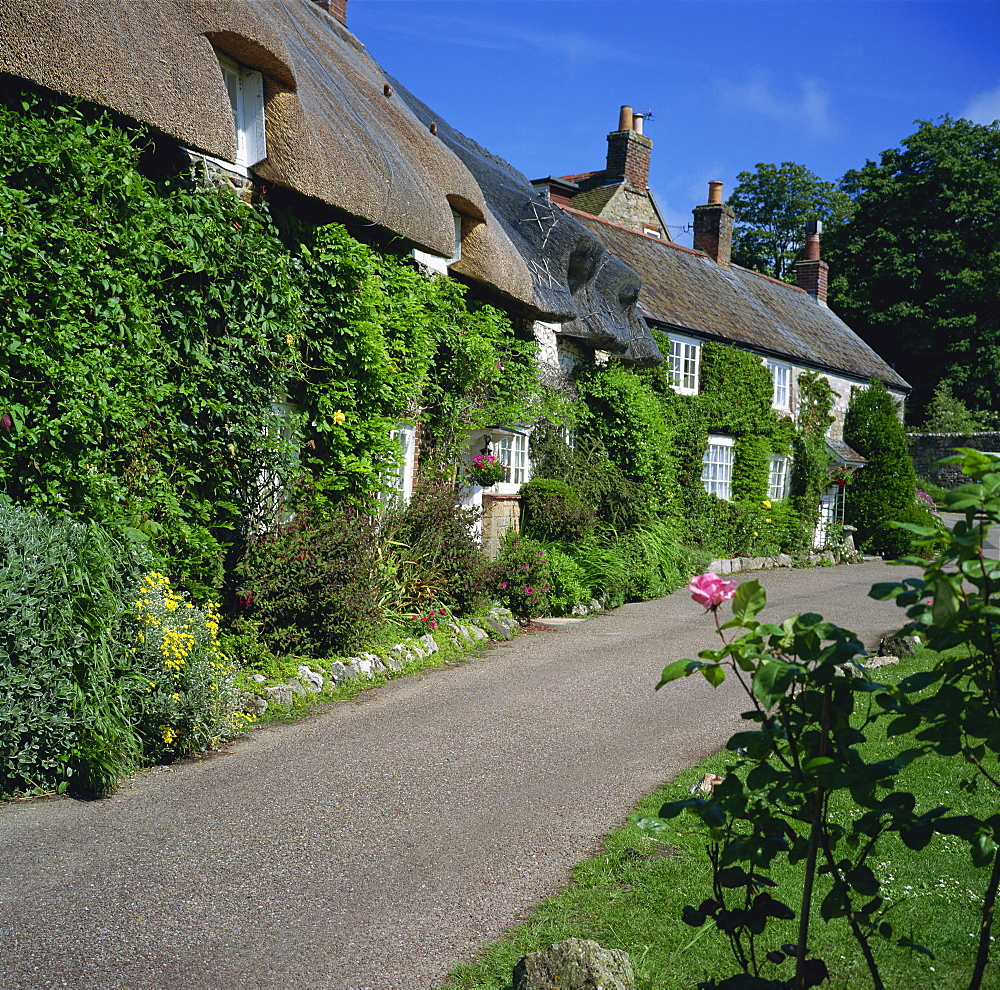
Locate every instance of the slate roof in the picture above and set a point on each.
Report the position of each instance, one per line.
(686, 290)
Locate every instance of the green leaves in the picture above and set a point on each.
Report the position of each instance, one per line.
(749, 600)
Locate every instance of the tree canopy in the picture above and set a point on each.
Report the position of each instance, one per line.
(773, 205)
(916, 270)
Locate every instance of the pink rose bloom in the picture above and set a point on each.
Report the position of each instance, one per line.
(710, 590)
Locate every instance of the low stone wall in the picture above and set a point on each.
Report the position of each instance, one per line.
(736, 565)
(928, 448)
(498, 623)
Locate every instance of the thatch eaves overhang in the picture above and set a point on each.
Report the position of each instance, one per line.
(686, 290)
(334, 130)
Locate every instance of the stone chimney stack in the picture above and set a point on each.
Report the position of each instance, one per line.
(812, 273)
(713, 226)
(628, 153)
(335, 8)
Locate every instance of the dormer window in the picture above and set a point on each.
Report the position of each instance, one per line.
(246, 97)
(436, 263)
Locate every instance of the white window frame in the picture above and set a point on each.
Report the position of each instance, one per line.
(684, 363)
(781, 384)
(399, 475)
(513, 454)
(717, 467)
(245, 88)
(777, 477)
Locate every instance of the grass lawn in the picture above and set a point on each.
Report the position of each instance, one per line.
(631, 894)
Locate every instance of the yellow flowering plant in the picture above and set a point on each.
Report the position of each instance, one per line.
(184, 697)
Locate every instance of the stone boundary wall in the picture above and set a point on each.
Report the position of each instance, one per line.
(928, 448)
(498, 623)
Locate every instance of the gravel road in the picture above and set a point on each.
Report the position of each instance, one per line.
(380, 840)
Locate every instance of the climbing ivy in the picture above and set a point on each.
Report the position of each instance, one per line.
(152, 326)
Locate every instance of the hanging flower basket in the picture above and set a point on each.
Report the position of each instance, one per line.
(486, 470)
(838, 477)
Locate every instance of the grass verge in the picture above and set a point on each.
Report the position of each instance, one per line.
(631, 894)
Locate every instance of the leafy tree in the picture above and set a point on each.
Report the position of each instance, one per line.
(773, 205)
(947, 414)
(916, 270)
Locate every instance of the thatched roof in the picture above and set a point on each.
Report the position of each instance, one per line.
(338, 130)
(575, 280)
(686, 290)
(332, 132)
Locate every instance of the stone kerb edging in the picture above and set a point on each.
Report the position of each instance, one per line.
(499, 622)
(735, 565)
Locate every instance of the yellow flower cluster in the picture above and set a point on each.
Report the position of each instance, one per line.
(192, 709)
(177, 645)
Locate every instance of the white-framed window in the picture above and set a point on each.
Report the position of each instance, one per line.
(781, 376)
(651, 232)
(398, 475)
(777, 478)
(513, 454)
(717, 466)
(683, 361)
(246, 98)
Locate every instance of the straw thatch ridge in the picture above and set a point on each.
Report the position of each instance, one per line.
(575, 280)
(686, 290)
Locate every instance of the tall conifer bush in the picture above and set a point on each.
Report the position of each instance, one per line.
(885, 489)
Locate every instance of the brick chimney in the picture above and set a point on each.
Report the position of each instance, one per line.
(335, 8)
(812, 273)
(713, 226)
(628, 153)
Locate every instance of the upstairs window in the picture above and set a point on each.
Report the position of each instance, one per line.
(781, 376)
(717, 467)
(246, 98)
(683, 361)
(777, 478)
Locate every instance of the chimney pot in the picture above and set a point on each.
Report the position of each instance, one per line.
(628, 153)
(812, 273)
(713, 226)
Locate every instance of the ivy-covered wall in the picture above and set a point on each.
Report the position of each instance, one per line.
(656, 438)
(152, 323)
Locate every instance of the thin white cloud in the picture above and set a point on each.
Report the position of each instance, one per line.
(806, 108)
(984, 108)
(496, 35)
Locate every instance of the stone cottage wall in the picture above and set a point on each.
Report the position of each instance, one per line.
(928, 448)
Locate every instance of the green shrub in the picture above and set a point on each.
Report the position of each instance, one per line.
(435, 544)
(184, 700)
(65, 588)
(569, 582)
(310, 585)
(522, 576)
(552, 510)
(884, 490)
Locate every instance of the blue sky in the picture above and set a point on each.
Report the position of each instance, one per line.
(828, 83)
